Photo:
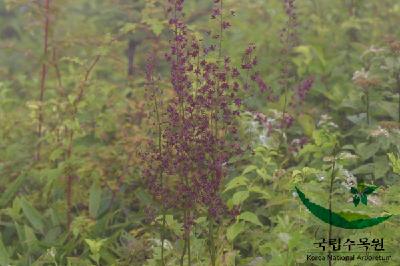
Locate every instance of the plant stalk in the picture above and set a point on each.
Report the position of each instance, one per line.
(368, 107)
(398, 92)
(330, 199)
(211, 241)
(161, 175)
(43, 77)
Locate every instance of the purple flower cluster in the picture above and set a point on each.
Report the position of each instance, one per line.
(289, 40)
(287, 121)
(198, 123)
(302, 90)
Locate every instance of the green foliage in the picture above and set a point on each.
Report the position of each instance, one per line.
(95, 127)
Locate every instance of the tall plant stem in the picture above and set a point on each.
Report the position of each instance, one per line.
(68, 189)
(161, 173)
(70, 180)
(211, 246)
(330, 198)
(188, 247)
(221, 29)
(368, 103)
(398, 92)
(185, 243)
(43, 77)
(163, 235)
(285, 92)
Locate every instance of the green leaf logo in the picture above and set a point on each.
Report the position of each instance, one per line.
(361, 193)
(348, 220)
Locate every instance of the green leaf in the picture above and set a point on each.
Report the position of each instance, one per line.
(395, 162)
(234, 230)
(4, 256)
(259, 190)
(364, 169)
(239, 197)
(352, 216)
(381, 166)
(369, 189)
(367, 150)
(94, 199)
(249, 169)
(33, 216)
(262, 172)
(236, 182)
(128, 27)
(56, 154)
(364, 199)
(30, 237)
(250, 217)
(307, 123)
(11, 190)
(361, 186)
(172, 224)
(143, 196)
(95, 245)
(356, 200)
(353, 190)
(155, 25)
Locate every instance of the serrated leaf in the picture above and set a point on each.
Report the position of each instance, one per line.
(239, 197)
(95, 245)
(250, 217)
(249, 169)
(234, 230)
(236, 182)
(259, 190)
(263, 174)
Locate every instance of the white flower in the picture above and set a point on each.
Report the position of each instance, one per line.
(347, 156)
(360, 74)
(373, 49)
(379, 132)
(350, 180)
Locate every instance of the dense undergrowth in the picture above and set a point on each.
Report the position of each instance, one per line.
(171, 132)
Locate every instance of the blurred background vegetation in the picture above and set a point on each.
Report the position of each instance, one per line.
(72, 192)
